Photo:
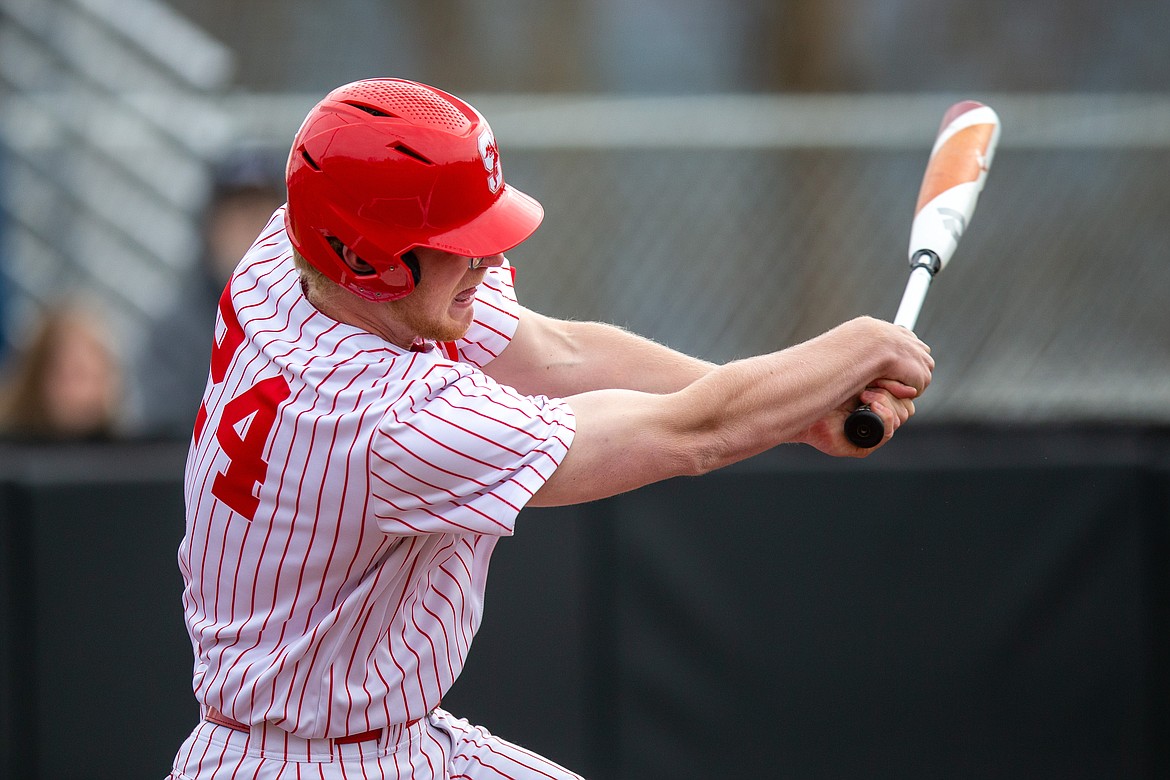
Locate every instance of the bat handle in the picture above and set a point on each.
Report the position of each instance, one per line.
(923, 266)
(864, 428)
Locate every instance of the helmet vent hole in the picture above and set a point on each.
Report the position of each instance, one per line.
(403, 149)
(310, 161)
(368, 109)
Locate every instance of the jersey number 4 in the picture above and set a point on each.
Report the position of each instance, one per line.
(244, 424)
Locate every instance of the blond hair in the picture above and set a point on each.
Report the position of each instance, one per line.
(318, 286)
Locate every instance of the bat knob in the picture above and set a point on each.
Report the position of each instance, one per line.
(864, 428)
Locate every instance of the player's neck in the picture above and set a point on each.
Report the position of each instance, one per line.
(366, 315)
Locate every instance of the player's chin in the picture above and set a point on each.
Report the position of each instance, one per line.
(455, 325)
(461, 315)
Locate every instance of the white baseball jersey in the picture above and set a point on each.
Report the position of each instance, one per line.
(343, 498)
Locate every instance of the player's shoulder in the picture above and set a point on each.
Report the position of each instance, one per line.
(429, 375)
(431, 367)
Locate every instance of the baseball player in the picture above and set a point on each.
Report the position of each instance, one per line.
(380, 408)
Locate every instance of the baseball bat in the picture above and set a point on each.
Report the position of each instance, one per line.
(954, 177)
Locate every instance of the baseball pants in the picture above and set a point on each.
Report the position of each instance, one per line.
(438, 747)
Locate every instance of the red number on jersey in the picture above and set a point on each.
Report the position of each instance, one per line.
(243, 431)
(245, 423)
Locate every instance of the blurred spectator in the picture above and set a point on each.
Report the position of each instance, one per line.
(171, 371)
(249, 186)
(66, 383)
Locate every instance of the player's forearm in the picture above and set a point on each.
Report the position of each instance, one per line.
(628, 439)
(751, 405)
(561, 358)
(600, 356)
(757, 403)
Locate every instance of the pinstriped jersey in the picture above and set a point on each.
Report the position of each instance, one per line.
(343, 499)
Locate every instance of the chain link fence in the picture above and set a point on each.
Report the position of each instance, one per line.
(1053, 309)
(729, 226)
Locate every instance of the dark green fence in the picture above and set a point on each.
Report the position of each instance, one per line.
(966, 603)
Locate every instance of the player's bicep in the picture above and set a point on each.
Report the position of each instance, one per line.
(624, 439)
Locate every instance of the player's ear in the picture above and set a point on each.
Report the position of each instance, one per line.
(355, 263)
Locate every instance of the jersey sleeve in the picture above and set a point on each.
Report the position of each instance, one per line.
(464, 455)
(497, 313)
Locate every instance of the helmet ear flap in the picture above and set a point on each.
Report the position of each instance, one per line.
(362, 274)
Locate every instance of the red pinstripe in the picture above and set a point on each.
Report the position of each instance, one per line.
(398, 443)
(406, 473)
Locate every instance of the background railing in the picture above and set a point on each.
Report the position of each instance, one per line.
(105, 176)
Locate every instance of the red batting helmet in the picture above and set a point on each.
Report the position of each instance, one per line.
(385, 166)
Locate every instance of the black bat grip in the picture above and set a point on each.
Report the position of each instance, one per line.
(864, 428)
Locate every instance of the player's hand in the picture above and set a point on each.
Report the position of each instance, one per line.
(890, 399)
